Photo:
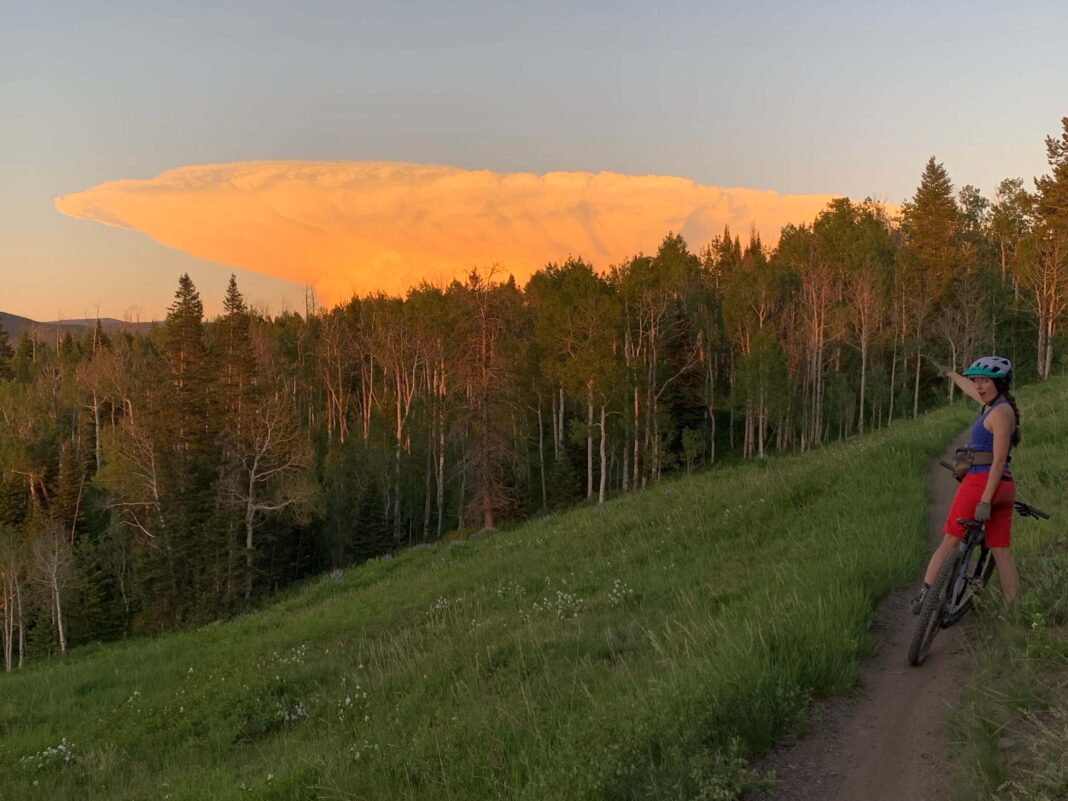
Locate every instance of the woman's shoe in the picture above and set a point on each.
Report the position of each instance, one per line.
(917, 602)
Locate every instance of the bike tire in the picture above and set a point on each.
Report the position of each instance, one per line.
(979, 569)
(933, 606)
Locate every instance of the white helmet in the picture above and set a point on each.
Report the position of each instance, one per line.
(990, 367)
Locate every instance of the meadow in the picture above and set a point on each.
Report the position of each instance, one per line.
(638, 650)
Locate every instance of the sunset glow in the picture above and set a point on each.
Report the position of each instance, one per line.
(356, 227)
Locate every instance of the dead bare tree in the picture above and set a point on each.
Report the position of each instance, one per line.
(960, 323)
(51, 559)
(1042, 271)
(274, 459)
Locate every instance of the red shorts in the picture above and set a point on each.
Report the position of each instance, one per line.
(969, 493)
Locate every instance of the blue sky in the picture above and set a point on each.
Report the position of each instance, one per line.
(831, 97)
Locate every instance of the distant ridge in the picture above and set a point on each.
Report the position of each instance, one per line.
(15, 325)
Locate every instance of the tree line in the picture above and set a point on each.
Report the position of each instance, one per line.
(148, 481)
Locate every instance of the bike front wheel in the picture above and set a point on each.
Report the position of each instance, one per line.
(934, 606)
(977, 569)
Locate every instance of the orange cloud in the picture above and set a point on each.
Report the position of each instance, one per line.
(357, 227)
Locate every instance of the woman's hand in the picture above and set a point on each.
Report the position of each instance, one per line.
(940, 368)
(982, 511)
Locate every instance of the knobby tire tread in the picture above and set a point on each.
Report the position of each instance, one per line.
(931, 612)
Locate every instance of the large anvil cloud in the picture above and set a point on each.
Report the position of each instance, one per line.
(356, 227)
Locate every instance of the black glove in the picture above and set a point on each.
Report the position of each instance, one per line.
(982, 512)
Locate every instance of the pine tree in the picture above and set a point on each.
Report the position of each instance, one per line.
(931, 222)
(237, 362)
(96, 339)
(68, 349)
(28, 356)
(182, 575)
(931, 225)
(488, 353)
(1053, 188)
(184, 345)
(237, 383)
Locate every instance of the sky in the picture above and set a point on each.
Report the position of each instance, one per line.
(806, 99)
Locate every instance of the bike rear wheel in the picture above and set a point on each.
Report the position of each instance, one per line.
(933, 607)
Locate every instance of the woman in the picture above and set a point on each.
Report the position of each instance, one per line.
(987, 491)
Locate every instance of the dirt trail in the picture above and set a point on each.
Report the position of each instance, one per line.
(887, 743)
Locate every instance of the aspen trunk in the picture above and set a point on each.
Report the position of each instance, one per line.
(893, 382)
(1045, 352)
(916, 388)
(541, 458)
(863, 379)
(441, 455)
(604, 465)
(555, 437)
(250, 515)
(635, 462)
(712, 364)
(427, 483)
(487, 508)
(397, 470)
(22, 628)
(96, 424)
(463, 493)
(561, 426)
(589, 439)
(761, 420)
(58, 606)
(9, 622)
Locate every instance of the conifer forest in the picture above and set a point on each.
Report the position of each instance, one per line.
(177, 477)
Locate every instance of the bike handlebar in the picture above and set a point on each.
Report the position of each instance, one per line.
(1023, 509)
(1027, 510)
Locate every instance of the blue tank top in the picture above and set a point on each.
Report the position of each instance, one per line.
(983, 440)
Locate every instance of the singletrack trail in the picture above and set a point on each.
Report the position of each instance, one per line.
(887, 742)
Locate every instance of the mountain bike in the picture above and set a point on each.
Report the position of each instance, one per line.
(962, 576)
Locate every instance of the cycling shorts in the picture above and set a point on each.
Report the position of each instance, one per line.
(969, 493)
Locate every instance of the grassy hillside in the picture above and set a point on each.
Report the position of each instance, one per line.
(634, 651)
(1011, 731)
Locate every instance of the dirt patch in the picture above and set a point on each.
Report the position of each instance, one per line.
(887, 742)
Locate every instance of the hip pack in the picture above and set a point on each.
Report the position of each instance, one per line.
(965, 459)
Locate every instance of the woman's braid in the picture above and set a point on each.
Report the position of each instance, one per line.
(1016, 410)
(1002, 387)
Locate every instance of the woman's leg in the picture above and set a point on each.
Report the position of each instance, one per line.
(963, 506)
(1010, 579)
(948, 544)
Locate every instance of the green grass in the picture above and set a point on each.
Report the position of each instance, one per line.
(1011, 731)
(638, 650)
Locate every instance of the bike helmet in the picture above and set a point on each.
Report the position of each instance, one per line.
(990, 367)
